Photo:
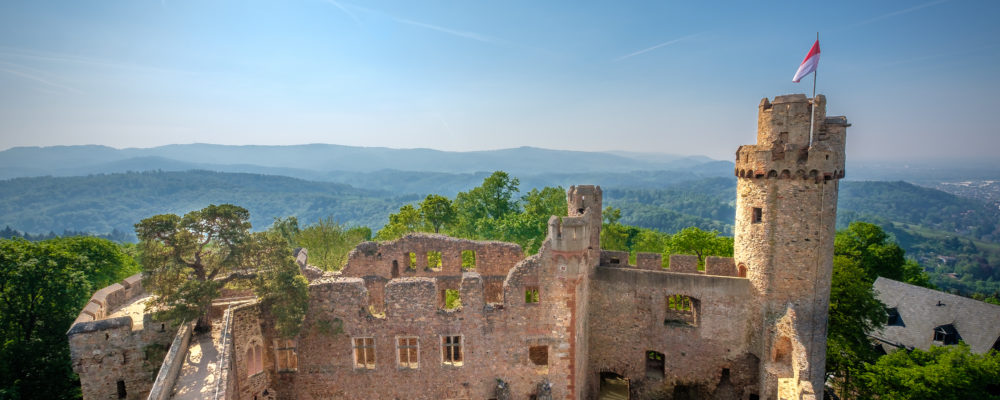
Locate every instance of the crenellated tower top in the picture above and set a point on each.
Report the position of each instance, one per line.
(784, 149)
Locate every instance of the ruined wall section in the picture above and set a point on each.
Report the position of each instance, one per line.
(251, 370)
(785, 220)
(114, 353)
(408, 256)
(707, 356)
(496, 340)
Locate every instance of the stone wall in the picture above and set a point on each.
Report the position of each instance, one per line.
(110, 354)
(708, 357)
(495, 339)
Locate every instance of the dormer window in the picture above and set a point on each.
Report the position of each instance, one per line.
(945, 335)
(894, 319)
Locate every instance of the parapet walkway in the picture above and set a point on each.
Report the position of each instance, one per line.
(201, 370)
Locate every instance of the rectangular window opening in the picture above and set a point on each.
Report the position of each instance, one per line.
(413, 261)
(434, 260)
(680, 310)
(531, 294)
(468, 259)
(758, 215)
(121, 390)
(285, 355)
(408, 349)
(539, 355)
(451, 348)
(452, 299)
(364, 353)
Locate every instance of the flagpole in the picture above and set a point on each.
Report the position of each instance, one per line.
(812, 113)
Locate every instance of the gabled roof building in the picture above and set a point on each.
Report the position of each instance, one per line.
(920, 318)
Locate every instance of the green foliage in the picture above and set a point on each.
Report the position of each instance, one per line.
(279, 285)
(437, 211)
(328, 242)
(487, 212)
(942, 373)
(452, 299)
(468, 259)
(434, 259)
(43, 285)
(695, 241)
(855, 311)
(877, 254)
(188, 259)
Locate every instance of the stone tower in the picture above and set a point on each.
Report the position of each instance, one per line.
(786, 209)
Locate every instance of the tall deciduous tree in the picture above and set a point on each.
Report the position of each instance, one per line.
(437, 211)
(41, 292)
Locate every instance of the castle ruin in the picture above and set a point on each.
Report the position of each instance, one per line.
(571, 322)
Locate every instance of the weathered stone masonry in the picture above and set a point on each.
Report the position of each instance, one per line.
(572, 321)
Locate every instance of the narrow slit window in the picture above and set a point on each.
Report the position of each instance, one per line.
(408, 349)
(758, 215)
(285, 355)
(451, 348)
(364, 353)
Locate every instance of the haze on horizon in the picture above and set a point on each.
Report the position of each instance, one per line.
(916, 79)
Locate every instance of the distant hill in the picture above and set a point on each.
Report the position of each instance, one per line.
(310, 161)
(103, 203)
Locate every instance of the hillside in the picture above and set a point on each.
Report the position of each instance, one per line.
(311, 161)
(102, 203)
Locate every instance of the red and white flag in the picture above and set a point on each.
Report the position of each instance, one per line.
(809, 64)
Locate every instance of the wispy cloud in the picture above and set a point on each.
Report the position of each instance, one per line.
(346, 11)
(664, 44)
(453, 32)
(345, 6)
(899, 12)
(21, 54)
(36, 78)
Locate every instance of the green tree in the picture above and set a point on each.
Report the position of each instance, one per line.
(437, 211)
(41, 291)
(329, 243)
(279, 285)
(855, 311)
(187, 260)
(692, 240)
(878, 254)
(529, 227)
(941, 373)
(481, 208)
(405, 221)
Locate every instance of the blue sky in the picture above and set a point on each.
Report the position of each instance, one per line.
(917, 79)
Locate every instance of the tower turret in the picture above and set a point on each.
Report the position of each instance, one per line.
(785, 224)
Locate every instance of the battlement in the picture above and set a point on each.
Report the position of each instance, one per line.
(106, 301)
(784, 149)
(679, 263)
